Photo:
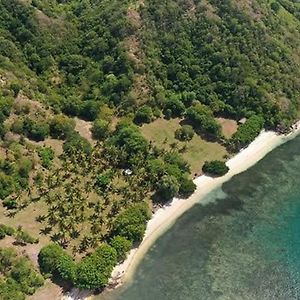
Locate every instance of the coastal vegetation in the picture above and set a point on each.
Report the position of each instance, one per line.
(108, 109)
(215, 168)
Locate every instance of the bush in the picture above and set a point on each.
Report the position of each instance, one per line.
(121, 245)
(47, 155)
(131, 223)
(174, 107)
(61, 127)
(76, 143)
(143, 115)
(100, 129)
(187, 187)
(49, 258)
(54, 261)
(215, 168)
(202, 119)
(10, 203)
(168, 187)
(95, 270)
(247, 132)
(185, 133)
(2, 233)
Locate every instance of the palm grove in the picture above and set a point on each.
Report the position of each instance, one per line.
(119, 66)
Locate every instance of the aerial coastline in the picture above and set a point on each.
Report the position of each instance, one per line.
(166, 216)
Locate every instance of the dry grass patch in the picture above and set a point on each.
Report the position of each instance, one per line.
(162, 134)
(229, 127)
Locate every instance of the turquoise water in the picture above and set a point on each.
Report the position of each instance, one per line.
(243, 245)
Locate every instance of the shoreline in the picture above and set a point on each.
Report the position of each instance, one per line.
(166, 216)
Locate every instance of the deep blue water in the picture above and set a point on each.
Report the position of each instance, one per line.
(243, 245)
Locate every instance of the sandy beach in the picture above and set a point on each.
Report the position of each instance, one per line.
(165, 217)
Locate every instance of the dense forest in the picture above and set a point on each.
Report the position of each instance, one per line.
(80, 81)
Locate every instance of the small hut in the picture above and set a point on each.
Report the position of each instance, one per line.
(242, 121)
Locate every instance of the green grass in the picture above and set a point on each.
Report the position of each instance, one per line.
(162, 133)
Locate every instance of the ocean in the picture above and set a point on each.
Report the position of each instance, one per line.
(244, 244)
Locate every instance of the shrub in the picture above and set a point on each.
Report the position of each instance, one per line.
(202, 119)
(247, 132)
(76, 143)
(131, 223)
(187, 187)
(121, 245)
(143, 115)
(7, 229)
(168, 187)
(47, 155)
(185, 133)
(10, 203)
(48, 259)
(61, 127)
(100, 129)
(94, 271)
(215, 168)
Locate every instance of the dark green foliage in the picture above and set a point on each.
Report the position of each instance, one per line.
(144, 114)
(94, 271)
(215, 168)
(187, 187)
(61, 127)
(10, 203)
(15, 87)
(47, 155)
(49, 259)
(100, 129)
(66, 267)
(131, 223)
(121, 245)
(168, 187)
(174, 107)
(275, 6)
(202, 119)
(76, 144)
(184, 133)
(247, 132)
(33, 129)
(127, 145)
(103, 180)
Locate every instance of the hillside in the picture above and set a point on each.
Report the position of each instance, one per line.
(109, 108)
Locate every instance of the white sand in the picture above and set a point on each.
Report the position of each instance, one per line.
(165, 217)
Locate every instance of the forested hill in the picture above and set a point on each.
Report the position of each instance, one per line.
(109, 109)
(237, 57)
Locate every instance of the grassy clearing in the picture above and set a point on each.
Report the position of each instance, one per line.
(162, 133)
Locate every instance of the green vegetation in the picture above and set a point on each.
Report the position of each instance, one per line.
(185, 133)
(47, 155)
(247, 132)
(131, 223)
(93, 271)
(18, 277)
(215, 168)
(150, 85)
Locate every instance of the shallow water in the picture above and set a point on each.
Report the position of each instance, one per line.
(245, 244)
